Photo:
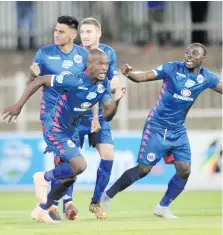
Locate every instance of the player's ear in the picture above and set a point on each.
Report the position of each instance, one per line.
(74, 35)
(203, 59)
(99, 33)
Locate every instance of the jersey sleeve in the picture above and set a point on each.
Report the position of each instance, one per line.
(38, 59)
(66, 81)
(112, 70)
(213, 81)
(164, 70)
(107, 94)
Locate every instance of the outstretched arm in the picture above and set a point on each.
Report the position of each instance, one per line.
(126, 70)
(31, 88)
(218, 88)
(110, 107)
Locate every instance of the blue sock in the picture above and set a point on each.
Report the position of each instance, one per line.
(175, 187)
(68, 197)
(60, 172)
(103, 177)
(54, 184)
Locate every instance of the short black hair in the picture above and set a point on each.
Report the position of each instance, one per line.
(201, 46)
(68, 20)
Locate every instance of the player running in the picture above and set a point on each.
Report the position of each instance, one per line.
(90, 33)
(164, 129)
(60, 129)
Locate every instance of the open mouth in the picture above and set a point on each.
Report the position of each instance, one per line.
(101, 75)
(189, 62)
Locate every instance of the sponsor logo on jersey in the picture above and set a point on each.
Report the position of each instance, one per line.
(189, 83)
(66, 73)
(181, 75)
(78, 59)
(86, 105)
(200, 78)
(67, 64)
(70, 144)
(91, 96)
(151, 157)
(82, 88)
(53, 57)
(185, 93)
(182, 97)
(59, 78)
(79, 110)
(101, 88)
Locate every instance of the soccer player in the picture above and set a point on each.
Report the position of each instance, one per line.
(63, 57)
(60, 129)
(164, 129)
(90, 33)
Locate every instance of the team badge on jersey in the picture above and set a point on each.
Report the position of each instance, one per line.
(70, 144)
(185, 93)
(86, 105)
(78, 59)
(101, 88)
(151, 157)
(67, 64)
(91, 96)
(200, 78)
(189, 83)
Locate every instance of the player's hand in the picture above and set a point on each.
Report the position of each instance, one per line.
(120, 92)
(11, 112)
(126, 69)
(95, 125)
(35, 70)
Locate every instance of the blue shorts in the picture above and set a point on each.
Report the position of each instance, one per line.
(65, 144)
(157, 142)
(104, 136)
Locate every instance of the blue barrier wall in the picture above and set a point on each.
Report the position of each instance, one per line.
(21, 156)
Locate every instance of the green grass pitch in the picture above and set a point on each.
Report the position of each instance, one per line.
(131, 213)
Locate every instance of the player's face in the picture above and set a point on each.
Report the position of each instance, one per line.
(194, 56)
(99, 67)
(64, 35)
(89, 35)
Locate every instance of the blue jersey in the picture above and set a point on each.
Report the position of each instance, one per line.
(52, 60)
(81, 94)
(112, 71)
(179, 90)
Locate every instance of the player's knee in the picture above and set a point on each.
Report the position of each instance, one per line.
(143, 169)
(106, 151)
(80, 168)
(184, 173)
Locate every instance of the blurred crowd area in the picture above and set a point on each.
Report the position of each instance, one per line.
(144, 34)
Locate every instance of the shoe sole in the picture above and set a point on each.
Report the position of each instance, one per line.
(161, 216)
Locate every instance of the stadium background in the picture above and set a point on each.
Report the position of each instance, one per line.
(142, 40)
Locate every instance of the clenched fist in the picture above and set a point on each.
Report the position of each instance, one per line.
(35, 70)
(125, 69)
